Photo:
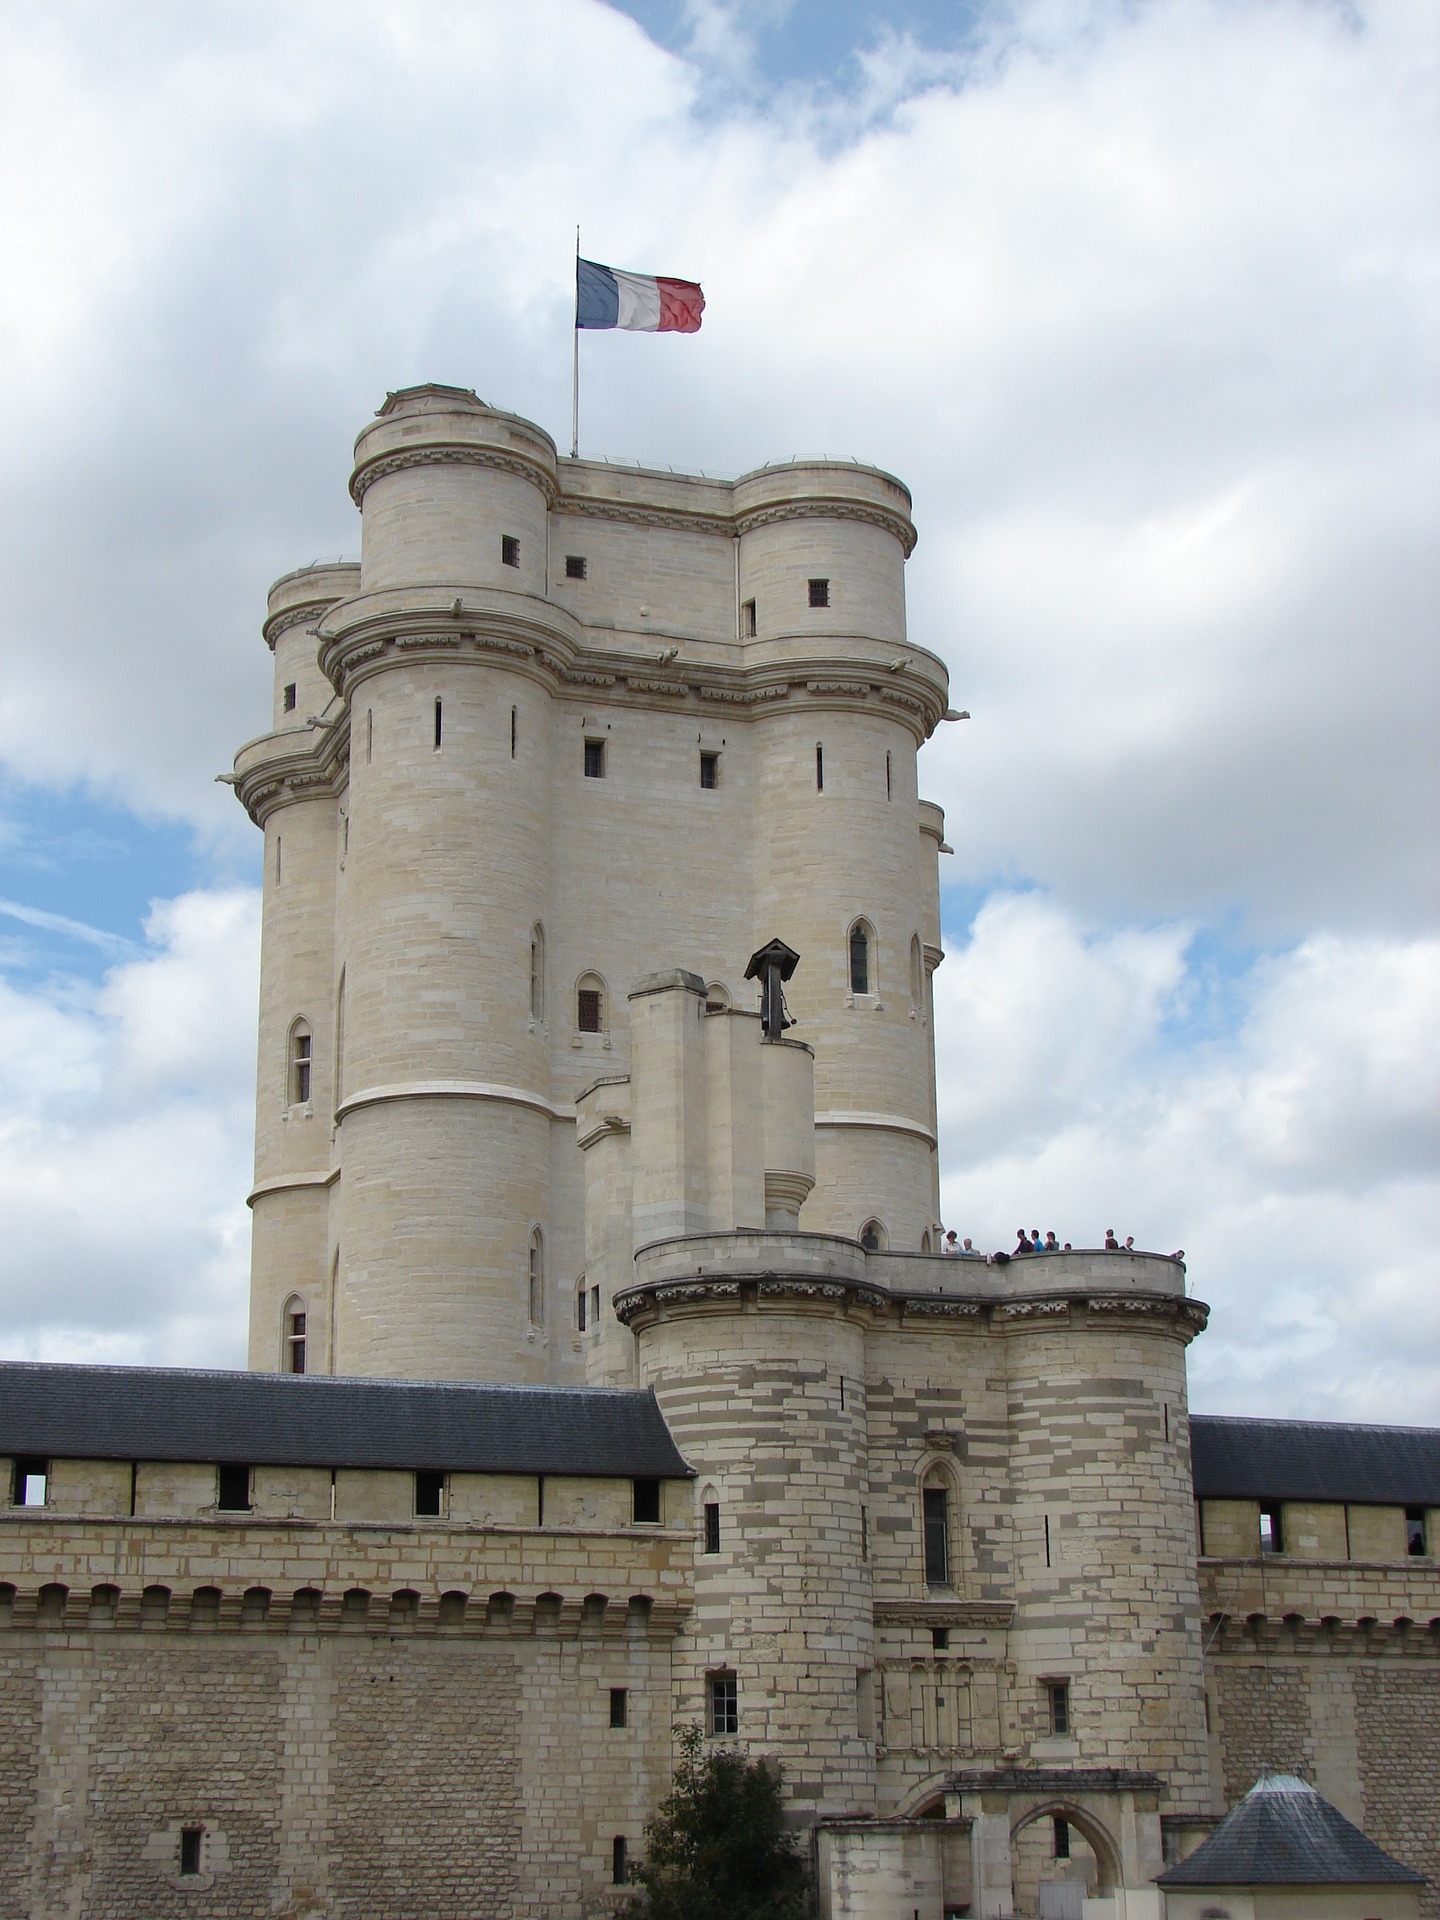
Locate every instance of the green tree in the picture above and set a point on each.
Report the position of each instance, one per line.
(718, 1848)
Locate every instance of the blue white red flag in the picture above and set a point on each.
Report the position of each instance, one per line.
(640, 302)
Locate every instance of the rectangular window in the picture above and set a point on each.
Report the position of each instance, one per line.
(439, 724)
(647, 1501)
(594, 759)
(190, 1838)
(574, 566)
(1272, 1533)
(937, 1537)
(709, 769)
(509, 550)
(889, 795)
(723, 1716)
(300, 1093)
(1062, 1838)
(1415, 1543)
(940, 1639)
(595, 1306)
(295, 1342)
(864, 1533)
(582, 1311)
(233, 1489)
(369, 734)
(819, 593)
(429, 1493)
(288, 698)
(514, 729)
(31, 1482)
(587, 1009)
(712, 1526)
(819, 768)
(619, 1707)
(1057, 1696)
(619, 1864)
(747, 620)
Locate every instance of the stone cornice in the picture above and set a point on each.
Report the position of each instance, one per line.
(300, 764)
(532, 470)
(944, 1613)
(820, 509)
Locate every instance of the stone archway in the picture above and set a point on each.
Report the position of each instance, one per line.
(1090, 1864)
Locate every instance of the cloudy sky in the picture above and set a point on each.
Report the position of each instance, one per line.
(1139, 298)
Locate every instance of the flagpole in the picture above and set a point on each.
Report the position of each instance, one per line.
(575, 365)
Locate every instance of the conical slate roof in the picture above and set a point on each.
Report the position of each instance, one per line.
(1284, 1834)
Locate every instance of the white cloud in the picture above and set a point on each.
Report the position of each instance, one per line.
(125, 1146)
(1296, 1161)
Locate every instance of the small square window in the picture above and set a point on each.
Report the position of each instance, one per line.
(647, 1501)
(1057, 1694)
(1415, 1542)
(429, 1493)
(723, 1703)
(574, 566)
(233, 1493)
(819, 593)
(288, 698)
(509, 550)
(709, 769)
(31, 1482)
(619, 1707)
(594, 759)
(940, 1639)
(712, 1526)
(190, 1838)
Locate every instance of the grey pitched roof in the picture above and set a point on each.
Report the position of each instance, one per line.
(277, 1419)
(1284, 1834)
(1314, 1460)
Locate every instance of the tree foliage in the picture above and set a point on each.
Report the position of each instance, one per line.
(718, 1848)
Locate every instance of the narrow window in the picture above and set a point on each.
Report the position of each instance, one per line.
(589, 1009)
(712, 1526)
(539, 1499)
(369, 734)
(889, 794)
(860, 958)
(940, 1639)
(917, 973)
(574, 566)
(1062, 1838)
(619, 1865)
(295, 1342)
(937, 1536)
(514, 729)
(819, 768)
(723, 1703)
(429, 1493)
(709, 769)
(509, 550)
(31, 1481)
(279, 859)
(537, 972)
(1057, 1695)
(1272, 1534)
(288, 698)
(190, 1838)
(647, 1502)
(582, 1314)
(595, 1307)
(747, 620)
(537, 1278)
(864, 1533)
(300, 1063)
(439, 724)
(233, 1489)
(594, 759)
(619, 1707)
(1047, 1539)
(819, 593)
(1415, 1532)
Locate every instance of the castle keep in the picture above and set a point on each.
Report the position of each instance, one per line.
(605, 1373)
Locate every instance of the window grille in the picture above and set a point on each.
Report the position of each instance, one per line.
(594, 759)
(509, 550)
(724, 1704)
(819, 593)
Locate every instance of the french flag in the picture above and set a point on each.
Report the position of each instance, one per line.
(640, 302)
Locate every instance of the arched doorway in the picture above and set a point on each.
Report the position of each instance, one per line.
(1060, 1855)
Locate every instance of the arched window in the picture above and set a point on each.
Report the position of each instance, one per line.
(935, 1517)
(717, 998)
(537, 1278)
(293, 1335)
(917, 974)
(925, 1241)
(537, 972)
(298, 1065)
(590, 1010)
(582, 1306)
(862, 958)
(873, 1237)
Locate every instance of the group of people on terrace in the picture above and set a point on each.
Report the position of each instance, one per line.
(1030, 1242)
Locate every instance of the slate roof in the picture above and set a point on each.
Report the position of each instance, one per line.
(1283, 1834)
(1314, 1460)
(276, 1419)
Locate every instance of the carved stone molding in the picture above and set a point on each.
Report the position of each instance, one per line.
(384, 464)
(675, 519)
(892, 523)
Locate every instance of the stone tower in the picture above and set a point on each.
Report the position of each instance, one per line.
(565, 724)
